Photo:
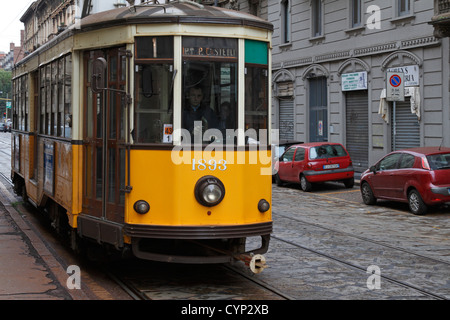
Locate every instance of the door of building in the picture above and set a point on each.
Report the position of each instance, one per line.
(405, 128)
(318, 109)
(286, 123)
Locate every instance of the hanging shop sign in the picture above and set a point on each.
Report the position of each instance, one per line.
(410, 74)
(354, 81)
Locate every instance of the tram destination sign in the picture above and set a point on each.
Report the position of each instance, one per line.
(210, 52)
(395, 86)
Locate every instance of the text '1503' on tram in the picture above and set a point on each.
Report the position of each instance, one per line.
(148, 128)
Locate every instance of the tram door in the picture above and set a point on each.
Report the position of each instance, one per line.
(104, 138)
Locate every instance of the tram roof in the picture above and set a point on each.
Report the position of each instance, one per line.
(174, 12)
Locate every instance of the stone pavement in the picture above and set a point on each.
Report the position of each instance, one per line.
(28, 270)
(23, 272)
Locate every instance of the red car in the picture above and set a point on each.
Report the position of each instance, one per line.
(420, 177)
(309, 163)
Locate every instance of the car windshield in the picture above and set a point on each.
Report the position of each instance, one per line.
(327, 151)
(439, 161)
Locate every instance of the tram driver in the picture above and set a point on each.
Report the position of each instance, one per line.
(197, 117)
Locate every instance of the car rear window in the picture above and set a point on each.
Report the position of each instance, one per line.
(327, 151)
(439, 161)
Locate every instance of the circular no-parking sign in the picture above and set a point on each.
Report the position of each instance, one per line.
(395, 80)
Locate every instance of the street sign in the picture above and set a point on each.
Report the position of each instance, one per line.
(395, 86)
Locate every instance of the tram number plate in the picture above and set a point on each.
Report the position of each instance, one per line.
(331, 166)
(212, 165)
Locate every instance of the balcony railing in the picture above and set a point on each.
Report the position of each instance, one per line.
(441, 6)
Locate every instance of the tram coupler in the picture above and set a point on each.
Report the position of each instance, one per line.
(256, 262)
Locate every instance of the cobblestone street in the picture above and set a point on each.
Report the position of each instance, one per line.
(326, 245)
(323, 246)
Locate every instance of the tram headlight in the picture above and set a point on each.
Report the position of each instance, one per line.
(141, 206)
(209, 191)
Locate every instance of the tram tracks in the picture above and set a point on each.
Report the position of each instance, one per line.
(395, 276)
(206, 283)
(153, 281)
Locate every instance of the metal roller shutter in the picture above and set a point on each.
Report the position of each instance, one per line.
(407, 133)
(286, 124)
(357, 132)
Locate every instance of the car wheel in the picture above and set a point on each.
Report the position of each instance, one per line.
(278, 180)
(305, 184)
(349, 183)
(416, 204)
(367, 194)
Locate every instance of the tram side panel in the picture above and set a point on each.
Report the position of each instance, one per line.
(54, 174)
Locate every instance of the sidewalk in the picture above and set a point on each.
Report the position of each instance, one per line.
(28, 270)
(23, 272)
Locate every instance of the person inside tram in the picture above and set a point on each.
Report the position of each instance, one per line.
(226, 121)
(197, 111)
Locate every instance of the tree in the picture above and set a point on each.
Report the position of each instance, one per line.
(5, 89)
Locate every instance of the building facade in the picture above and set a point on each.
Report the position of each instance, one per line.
(45, 19)
(331, 62)
(15, 54)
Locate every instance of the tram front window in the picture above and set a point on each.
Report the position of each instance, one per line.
(256, 92)
(154, 85)
(256, 105)
(209, 112)
(154, 103)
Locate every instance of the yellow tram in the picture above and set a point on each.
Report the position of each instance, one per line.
(148, 128)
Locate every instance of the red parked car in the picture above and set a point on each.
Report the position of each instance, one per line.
(419, 176)
(309, 163)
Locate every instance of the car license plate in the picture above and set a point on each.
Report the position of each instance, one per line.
(331, 166)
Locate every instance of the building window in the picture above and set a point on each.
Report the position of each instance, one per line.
(285, 21)
(253, 7)
(316, 18)
(355, 11)
(403, 7)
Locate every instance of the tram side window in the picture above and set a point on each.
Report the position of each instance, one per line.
(210, 89)
(55, 98)
(21, 103)
(256, 92)
(154, 84)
